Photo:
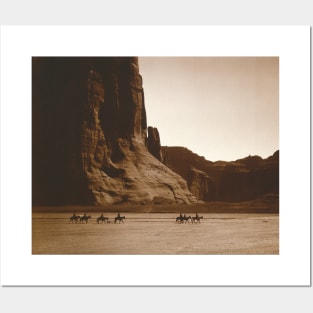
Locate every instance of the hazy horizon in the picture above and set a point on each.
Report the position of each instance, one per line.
(222, 108)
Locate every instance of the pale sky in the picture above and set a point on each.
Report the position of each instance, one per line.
(222, 108)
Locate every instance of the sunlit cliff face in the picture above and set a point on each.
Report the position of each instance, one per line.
(97, 119)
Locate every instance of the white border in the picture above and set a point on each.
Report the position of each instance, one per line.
(290, 43)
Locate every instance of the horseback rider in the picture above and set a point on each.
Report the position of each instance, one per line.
(197, 216)
(118, 215)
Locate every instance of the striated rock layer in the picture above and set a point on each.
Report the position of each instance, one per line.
(90, 136)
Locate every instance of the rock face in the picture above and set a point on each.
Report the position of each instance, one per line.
(154, 143)
(90, 143)
(240, 180)
(201, 185)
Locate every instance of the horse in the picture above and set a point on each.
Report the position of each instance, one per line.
(102, 219)
(74, 218)
(186, 219)
(179, 219)
(84, 218)
(119, 219)
(183, 219)
(196, 219)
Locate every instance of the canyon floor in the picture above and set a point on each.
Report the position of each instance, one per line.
(153, 230)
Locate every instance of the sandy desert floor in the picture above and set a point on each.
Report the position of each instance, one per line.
(156, 233)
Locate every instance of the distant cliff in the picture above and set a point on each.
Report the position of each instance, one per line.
(90, 139)
(239, 180)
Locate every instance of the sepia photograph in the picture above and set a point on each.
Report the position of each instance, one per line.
(173, 161)
(149, 164)
(155, 155)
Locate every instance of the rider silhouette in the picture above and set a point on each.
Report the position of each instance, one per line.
(118, 215)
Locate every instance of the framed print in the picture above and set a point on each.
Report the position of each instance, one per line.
(139, 154)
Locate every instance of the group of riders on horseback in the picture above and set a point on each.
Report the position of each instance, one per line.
(183, 219)
(105, 219)
(79, 218)
(101, 219)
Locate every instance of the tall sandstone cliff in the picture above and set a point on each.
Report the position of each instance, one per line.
(90, 136)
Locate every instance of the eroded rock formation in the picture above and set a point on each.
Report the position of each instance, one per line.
(90, 136)
(201, 185)
(239, 180)
(154, 143)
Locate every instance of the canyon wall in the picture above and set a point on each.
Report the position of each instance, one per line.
(91, 143)
(240, 180)
(90, 140)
